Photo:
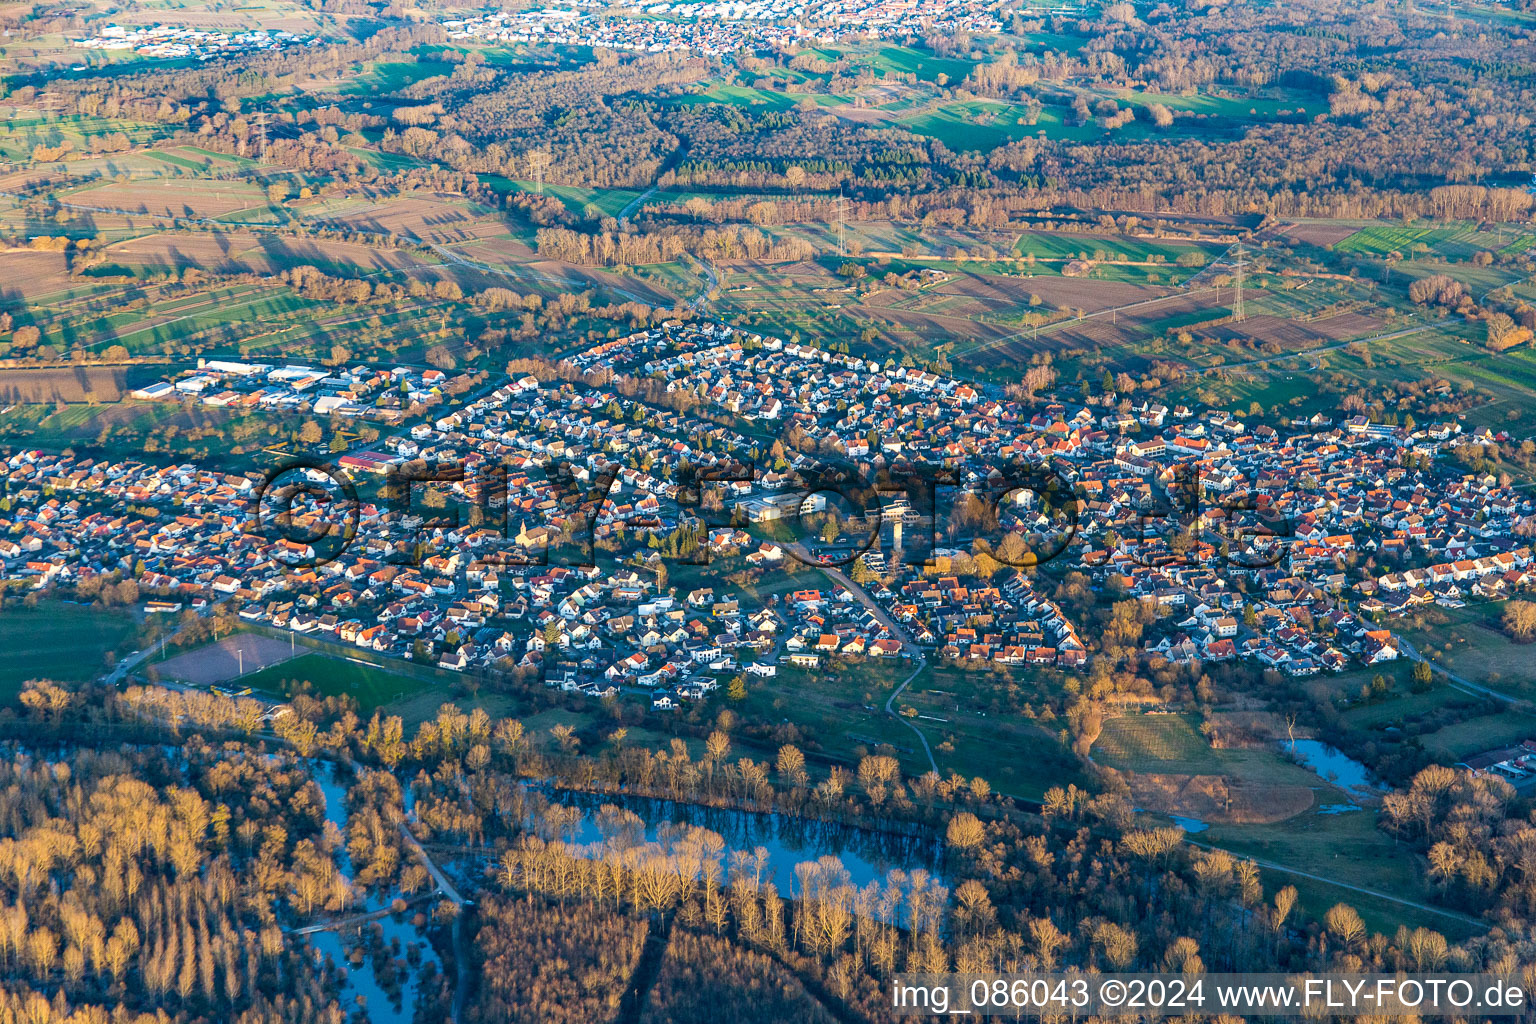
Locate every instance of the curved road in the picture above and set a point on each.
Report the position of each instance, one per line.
(1454, 915)
(869, 602)
(1456, 680)
(711, 282)
(908, 646)
(921, 664)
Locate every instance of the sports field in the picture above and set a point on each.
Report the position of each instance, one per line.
(324, 676)
(234, 657)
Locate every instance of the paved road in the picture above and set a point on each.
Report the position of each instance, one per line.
(1464, 918)
(133, 661)
(438, 878)
(921, 664)
(1457, 681)
(343, 922)
(460, 949)
(908, 645)
(711, 282)
(635, 204)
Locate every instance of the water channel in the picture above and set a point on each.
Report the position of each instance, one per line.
(404, 940)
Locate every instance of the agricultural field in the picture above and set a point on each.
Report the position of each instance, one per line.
(169, 198)
(1063, 246)
(986, 312)
(1121, 315)
(25, 130)
(219, 437)
(226, 314)
(1380, 241)
(429, 219)
(1155, 743)
(84, 384)
(235, 251)
(67, 642)
(1453, 242)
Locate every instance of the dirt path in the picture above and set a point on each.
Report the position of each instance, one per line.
(1389, 336)
(632, 1006)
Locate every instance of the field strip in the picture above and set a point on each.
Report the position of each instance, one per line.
(1389, 336)
(223, 308)
(996, 342)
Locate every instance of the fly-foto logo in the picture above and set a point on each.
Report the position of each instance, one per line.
(314, 513)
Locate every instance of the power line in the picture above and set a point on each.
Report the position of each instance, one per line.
(261, 136)
(1238, 315)
(538, 163)
(842, 236)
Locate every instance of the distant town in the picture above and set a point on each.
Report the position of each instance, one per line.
(173, 41)
(722, 28)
